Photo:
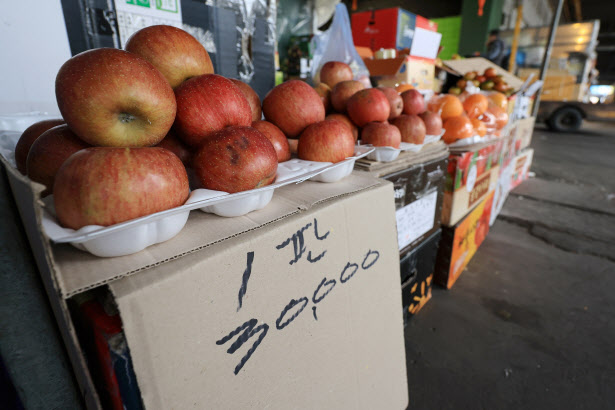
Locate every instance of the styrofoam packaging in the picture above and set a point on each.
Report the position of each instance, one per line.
(388, 154)
(137, 234)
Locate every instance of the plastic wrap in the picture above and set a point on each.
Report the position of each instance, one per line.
(335, 44)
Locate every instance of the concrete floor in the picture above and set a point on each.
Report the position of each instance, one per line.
(530, 324)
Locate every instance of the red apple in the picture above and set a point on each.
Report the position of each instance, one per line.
(325, 95)
(27, 139)
(206, 104)
(236, 159)
(292, 106)
(341, 93)
(395, 101)
(344, 118)
(174, 52)
(106, 186)
(411, 127)
(332, 72)
(381, 134)
(414, 103)
(253, 100)
(111, 97)
(177, 147)
(276, 137)
(433, 123)
(368, 105)
(49, 152)
(326, 141)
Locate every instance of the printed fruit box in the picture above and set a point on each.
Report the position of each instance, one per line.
(459, 243)
(521, 168)
(419, 263)
(471, 176)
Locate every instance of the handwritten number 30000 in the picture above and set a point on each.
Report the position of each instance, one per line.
(291, 311)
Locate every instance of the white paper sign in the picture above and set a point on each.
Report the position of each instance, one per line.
(133, 15)
(415, 219)
(425, 43)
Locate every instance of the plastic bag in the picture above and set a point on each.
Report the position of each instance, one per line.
(336, 44)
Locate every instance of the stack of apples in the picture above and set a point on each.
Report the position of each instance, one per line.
(135, 120)
(382, 116)
(470, 115)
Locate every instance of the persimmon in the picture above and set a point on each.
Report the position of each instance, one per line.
(446, 105)
(457, 128)
(479, 126)
(498, 99)
(475, 105)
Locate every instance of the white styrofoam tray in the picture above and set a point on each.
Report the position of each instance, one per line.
(388, 154)
(137, 234)
(472, 140)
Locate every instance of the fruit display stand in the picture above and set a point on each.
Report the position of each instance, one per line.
(418, 179)
(229, 306)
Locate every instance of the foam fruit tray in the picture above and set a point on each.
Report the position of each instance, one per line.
(137, 234)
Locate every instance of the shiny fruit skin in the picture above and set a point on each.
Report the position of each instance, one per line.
(457, 128)
(173, 51)
(111, 97)
(368, 105)
(236, 159)
(105, 186)
(475, 105)
(326, 141)
(27, 139)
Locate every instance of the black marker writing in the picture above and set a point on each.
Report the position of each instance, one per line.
(369, 253)
(328, 285)
(281, 325)
(317, 258)
(320, 238)
(349, 265)
(250, 330)
(244, 279)
(298, 243)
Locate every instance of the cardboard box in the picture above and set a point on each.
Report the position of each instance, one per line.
(418, 180)
(522, 132)
(459, 67)
(420, 263)
(388, 28)
(391, 72)
(471, 176)
(521, 167)
(459, 243)
(300, 295)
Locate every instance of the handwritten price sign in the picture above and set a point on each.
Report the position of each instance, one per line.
(251, 329)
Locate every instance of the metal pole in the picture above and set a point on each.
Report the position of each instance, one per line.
(512, 63)
(547, 57)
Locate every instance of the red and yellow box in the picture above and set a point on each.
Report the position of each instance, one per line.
(521, 167)
(471, 175)
(459, 243)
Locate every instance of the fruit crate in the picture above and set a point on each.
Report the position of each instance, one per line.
(417, 267)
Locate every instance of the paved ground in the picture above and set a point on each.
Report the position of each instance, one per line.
(530, 324)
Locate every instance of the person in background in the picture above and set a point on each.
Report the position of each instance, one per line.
(495, 48)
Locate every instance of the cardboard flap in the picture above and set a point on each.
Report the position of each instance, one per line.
(303, 313)
(479, 64)
(78, 271)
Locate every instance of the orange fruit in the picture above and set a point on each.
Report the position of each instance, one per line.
(446, 105)
(479, 126)
(475, 105)
(498, 99)
(404, 87)
(457, 128)
(501, 116)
